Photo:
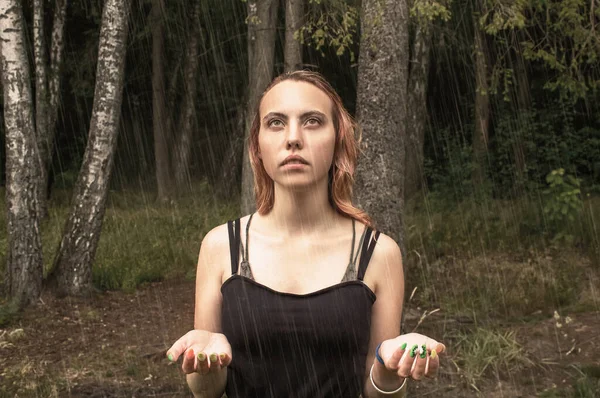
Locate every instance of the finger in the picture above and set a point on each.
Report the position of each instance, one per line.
(188, 361)
(177, 348)
(225, 359)
(393, 362)
(435, 345)
(215, 363)
(433, 364)
(418, 370)
(406, 363)
(203, 366)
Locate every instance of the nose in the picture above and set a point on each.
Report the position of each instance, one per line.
(294, 136)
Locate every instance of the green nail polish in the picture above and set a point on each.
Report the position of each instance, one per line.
(223, 356)
(413, 351)
(424, 351)
(213, 358)
(201, 357)
(170, 356)
(403, 346)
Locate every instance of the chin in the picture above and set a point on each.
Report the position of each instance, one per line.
(300, 183)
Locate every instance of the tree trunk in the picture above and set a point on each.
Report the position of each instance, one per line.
(381, 111)
(56, 60)
(41, 103)
(73, 264)
(523, 104)
(482, 107)
(229, 181)
(294, 14)
(159, 111)
(24, 268)
(187, 121)
(417, 112)
(262, 19)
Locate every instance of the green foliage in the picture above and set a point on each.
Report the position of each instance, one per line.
(559, 34)
(428, 11)
(563, 202)
(331, 23)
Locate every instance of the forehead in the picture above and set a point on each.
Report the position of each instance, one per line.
(295, 97)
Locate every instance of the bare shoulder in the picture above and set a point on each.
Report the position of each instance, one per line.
(214, 251)
(386, 262)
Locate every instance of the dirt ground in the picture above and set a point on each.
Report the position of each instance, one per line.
(114, 346)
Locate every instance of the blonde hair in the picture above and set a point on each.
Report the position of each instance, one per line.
(341, 174)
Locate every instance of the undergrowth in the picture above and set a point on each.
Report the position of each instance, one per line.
(141, 240)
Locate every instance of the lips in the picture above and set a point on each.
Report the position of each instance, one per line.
(294, 159)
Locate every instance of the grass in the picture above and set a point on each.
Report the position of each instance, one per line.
(496, 258)
(486, 351)
(479, 257)
(142, 240)
(585, 385)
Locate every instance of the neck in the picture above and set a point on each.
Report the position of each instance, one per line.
(302, 212)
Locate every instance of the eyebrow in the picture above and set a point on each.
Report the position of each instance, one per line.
(302, 116)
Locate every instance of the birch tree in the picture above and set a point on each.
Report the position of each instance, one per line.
(72, 273)
(381, 112)
(24, 268)
(47, 87)
(262, 18)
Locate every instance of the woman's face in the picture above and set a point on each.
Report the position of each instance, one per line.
(296, 120)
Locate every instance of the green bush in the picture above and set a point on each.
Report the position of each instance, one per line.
(562, 205)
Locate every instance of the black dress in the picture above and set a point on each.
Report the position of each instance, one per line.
(292, 345)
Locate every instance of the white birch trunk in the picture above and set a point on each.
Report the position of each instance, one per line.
(24, 268)
(41, 101)
(73, 264)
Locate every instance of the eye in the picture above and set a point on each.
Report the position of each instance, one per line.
(275, 123)
(313, 121)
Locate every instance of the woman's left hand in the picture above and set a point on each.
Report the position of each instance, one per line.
(409, 355)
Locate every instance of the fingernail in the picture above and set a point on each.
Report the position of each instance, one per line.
(202, 357)
(213, 357)
(403, 346)
(423, 351)
(433, 354)
(170, 356)
(223, 356)
(413, 351)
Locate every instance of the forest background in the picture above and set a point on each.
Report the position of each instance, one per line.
(127, 145)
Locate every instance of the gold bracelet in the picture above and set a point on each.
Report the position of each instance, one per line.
(380, 390)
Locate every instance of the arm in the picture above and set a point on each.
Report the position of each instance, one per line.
(385, 273)
(207, 315)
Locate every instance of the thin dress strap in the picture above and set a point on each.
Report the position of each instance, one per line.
(245, 265)
(367, 251)
(233, 228)
(350, 274)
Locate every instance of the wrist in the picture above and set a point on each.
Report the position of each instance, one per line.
(386, 379)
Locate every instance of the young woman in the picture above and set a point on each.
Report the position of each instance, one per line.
(302, 298)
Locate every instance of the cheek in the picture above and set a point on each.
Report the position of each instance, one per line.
(265, 154)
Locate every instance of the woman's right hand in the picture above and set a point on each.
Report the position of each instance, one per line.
(203, 352)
